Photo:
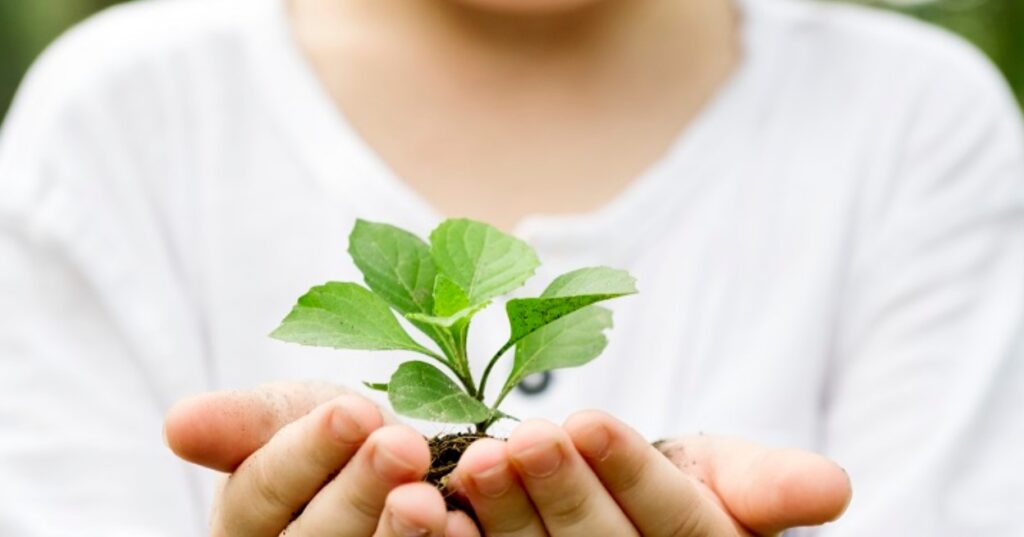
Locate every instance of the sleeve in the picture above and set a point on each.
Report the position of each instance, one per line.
(95, 339)
(925, 405)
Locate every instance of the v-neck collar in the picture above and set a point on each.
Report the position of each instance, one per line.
(346, 165)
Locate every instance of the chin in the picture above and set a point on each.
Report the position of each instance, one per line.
(527, 7)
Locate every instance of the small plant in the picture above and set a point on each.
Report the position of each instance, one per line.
(438, 288)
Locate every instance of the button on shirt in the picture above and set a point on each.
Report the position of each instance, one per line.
(831, 257)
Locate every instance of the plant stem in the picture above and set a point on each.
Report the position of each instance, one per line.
(453, 365)
(505, 390)
(490, 366)
(467, 383)
(458, 336)
(465, 379)
(443, 340)
(441, 359)
(465, 376)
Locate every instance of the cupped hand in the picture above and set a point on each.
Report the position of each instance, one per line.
(310, 460)
(596, 476)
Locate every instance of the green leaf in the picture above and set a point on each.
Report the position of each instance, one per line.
(449, 298)
(395, 264)
(447, 321)
(528, 314)
(345, 315)
(451, 305)
(480, 259)
(566, 294)
(378, 386)
(420, 390)
(570, 341)
(592, 281)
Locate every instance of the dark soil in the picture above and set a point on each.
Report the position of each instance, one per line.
(445, 452)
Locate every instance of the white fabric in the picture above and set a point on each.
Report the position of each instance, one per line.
(831, 257)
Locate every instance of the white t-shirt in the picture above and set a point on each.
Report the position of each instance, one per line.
(831, 257)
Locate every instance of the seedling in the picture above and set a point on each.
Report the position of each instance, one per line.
(438, 288)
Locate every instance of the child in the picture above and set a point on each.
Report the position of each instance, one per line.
(824, 208)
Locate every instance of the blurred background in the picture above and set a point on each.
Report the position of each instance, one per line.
(995, 26)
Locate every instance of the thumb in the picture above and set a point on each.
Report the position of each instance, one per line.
(769, 490)
(219, 430)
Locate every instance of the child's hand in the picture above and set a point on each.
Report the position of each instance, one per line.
(314, 449)
(596, 476)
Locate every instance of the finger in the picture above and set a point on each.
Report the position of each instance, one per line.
(569, 497)
(351, 503)
(413, 510)
(277, 480)
(486, 478)
(654, 493)
(219, 430)
(769, 490)
(460, 525)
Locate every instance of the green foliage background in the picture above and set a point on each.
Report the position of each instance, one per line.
(996, 26)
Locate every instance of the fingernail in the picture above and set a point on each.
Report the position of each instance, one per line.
(346, 427)
(542, 460)
(593, 443)
(405, 529)
(389, 467)
(493, 482)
